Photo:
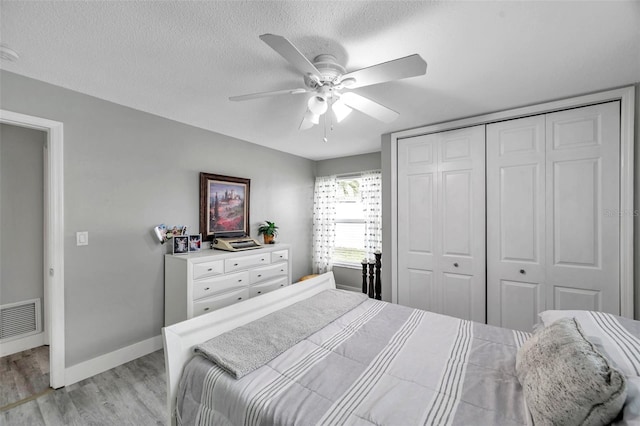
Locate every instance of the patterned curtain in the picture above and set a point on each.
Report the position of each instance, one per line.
(371, 192)
(324, 226)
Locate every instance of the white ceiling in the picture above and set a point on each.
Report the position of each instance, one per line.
(183, 59)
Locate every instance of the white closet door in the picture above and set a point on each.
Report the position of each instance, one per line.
(417, 230)
(583, 199)
(515, 222)
(461, 208)
(441, 223)
(552, 214)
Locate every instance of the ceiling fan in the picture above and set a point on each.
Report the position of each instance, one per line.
(326, 79)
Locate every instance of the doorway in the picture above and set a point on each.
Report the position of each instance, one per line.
(53, 247)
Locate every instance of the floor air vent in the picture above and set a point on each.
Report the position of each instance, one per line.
(20, 319)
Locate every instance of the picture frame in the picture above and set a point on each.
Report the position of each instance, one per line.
(180, 244)
(195, 243)
(224, 206)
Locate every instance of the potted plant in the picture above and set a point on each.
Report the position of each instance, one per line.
(268, 230)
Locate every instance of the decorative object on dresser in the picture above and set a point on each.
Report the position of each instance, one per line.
(374, 287)
(224, 206)
(269, 231)
(195, 242)
(198, 283)
(181, 244)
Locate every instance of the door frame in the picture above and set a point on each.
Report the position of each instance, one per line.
(626, 96)
(53, 236)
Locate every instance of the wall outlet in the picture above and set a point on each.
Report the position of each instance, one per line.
(82, 238)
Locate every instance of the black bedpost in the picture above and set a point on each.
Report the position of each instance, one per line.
(371, 278)
(378, 288)
(364, 276)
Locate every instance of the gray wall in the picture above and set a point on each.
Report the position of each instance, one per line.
(21, 214)
(351, 277)
(345, 165)
(386, 211)
(126, 171)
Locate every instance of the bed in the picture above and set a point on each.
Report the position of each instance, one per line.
(367, 362)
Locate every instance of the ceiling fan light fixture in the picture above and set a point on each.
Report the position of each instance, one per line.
(340, 110)
(317, 105)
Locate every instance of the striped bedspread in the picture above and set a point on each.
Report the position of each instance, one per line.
(379, 364)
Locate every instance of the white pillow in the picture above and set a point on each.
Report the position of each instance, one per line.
(616, 337)
(566, 381)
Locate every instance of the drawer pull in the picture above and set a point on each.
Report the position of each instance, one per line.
(281, 270)
(239, 281)
(210, 269)
(239, 298)
(261, 260)
(206, 309)
(281, 285)
(259, 292)
(522, 271)
(235, 264)
(455, 264)
(259, 275)
(206, 288)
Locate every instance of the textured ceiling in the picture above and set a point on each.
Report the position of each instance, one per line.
(183, 59)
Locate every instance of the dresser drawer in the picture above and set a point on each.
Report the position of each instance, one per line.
(279, 255)
(209, 286)
(238, 263)
(268, 286)
(207, 269)
(264, 273)
(209, 304)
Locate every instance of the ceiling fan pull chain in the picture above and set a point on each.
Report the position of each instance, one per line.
(325, 128)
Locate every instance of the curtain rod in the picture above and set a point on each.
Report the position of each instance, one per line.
(354, 174)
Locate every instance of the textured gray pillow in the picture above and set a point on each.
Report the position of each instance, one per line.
(565, 380)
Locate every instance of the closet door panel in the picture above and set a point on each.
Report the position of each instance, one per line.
(417, 216)
(441, 223)
(521, 303)
(418, 291)
(583, 198)
(461, 200)
(457, 295)
(515, 222)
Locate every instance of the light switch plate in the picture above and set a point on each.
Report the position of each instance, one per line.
(82, 238)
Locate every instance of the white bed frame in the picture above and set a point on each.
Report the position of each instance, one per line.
(180, 339)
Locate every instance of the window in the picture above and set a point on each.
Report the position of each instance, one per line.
(350, 223)
(346, 220)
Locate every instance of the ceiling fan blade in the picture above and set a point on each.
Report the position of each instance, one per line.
(287, 50)
(265, 94)
(369, 107)
(409, 66)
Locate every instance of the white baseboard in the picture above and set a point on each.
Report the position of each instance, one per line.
(105, 362)
(21, 344)
(348, 287)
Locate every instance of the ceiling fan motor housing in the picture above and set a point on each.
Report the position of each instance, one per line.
(330, 71)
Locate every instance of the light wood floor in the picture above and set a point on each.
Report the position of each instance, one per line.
(131, 394)
(23, 374)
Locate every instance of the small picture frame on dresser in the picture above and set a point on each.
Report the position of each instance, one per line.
(181, 244)
(195, 242)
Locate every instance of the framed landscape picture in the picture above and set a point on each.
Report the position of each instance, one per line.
(224, 206)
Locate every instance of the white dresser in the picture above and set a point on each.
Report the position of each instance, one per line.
(198, 283)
